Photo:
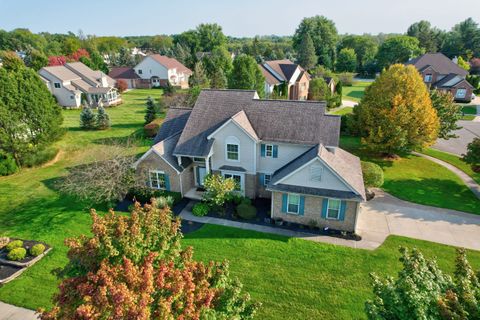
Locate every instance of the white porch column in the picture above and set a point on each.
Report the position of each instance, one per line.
(207, 164)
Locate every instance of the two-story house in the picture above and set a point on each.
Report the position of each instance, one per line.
(286, 73)
(441, 73)
(279, 149)
(157, 70)
(72, 80)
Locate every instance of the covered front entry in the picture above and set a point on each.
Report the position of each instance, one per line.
(200, 173)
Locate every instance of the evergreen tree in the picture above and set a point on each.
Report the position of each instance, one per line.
(151, 111)
(199, 77)
(218, 79)
(339, 88)
(103, 120)
(306, 53)
(87, 119)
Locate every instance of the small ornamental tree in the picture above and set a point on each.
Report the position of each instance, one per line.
(396, 114)
(103, 120)
(339, 88)
(217, 189)
(472, 156)
(121, 85)
(151, 111)
(87, 119)
(448, 113)
(133, 267)
(57, 60)
(413, 294)
(372, 174)
(318, 89)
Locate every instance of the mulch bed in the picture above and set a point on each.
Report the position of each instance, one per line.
(27, 244)
(263, 218)
(6, 271)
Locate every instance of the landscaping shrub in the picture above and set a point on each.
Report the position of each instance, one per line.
(200, 209)
(150, 130)
(17, 254)
(346, 78)
(121, 85)
(246, 200)
(145, 194)
(163, 202)
(372, 174)
(7, 165)
(246, 211)
(37, 249)
(39, 157)
(236, 198)
(14, 244)
(4, 241)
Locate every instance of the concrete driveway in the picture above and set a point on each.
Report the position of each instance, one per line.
(458, 146)
(385, 215)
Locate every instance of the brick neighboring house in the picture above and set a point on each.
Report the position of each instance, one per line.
(441, 73)
(156, 71)
(283, 150)
(285, 72)
(129, 76)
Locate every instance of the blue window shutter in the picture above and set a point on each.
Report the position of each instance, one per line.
(343, 207)
(167, 182)
(284, 202)
(261, 178)
(302, 205)
(275, 151)
(262, 150)
(324, 208)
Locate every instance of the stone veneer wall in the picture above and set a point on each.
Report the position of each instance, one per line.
(154, 162)
(312, 211)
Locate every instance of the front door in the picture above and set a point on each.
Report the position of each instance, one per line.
(201, 172)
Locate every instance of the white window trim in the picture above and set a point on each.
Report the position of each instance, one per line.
(264, 179)
(232, 141)
(328, 208)
(242, 179)
(266, 153)
(55, 85)
(157, 172)
(462, 90)
(288, 203)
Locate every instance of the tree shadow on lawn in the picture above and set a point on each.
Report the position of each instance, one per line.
(435, 192)
(210, 231)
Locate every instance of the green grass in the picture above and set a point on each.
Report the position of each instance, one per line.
(420, 180)
(469, 110)
(299, 279)
(355, 92)
(343, 111)
(453, 160)
(30, 208)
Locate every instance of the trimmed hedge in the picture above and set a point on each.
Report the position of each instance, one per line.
(145, 194)
(17, 254)
(37, 249)
(200, 209)
(14, 245)
(372, 174)
(246, 211)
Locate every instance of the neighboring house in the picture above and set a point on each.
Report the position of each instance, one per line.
(128, 75)
(330, 84)
(279, 149)
(69, 82)
(441, 73)
(158, 70)
(286, 73)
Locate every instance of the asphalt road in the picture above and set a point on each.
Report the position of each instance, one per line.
(469, 131)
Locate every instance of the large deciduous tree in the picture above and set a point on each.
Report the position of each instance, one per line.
(430, 39)
(324, 35)
(346, 60)
(463, 40)
(246, 75)
(318, 89)
(448, 113)
(30, 119)
(365, 47)
(133, 267)
(398, 49)
(306, 53)
(396, 114)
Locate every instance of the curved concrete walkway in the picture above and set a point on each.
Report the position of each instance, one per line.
(9, 312)
(470, 183)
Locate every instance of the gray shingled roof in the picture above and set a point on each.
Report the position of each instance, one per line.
(232, 168)
(441, 63)
(343, 163)
(286, 121)
(450, 81)
(329, 193)
(173, 123)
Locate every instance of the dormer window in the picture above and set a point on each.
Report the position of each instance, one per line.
(428, 78)
(232, 149)
(57, 85)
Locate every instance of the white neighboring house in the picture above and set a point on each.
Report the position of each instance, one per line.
(158, 70)
(68, 82)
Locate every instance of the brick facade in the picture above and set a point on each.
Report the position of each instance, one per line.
(312, 211)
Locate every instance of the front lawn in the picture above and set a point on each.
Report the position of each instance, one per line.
(454, 160)
(343, 111)
(355, 92)
(299, 279)
(419, 180)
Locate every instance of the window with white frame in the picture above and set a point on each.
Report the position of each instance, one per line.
(197, 159)
(428, 78)
(237, 178)
(316, 173)
(293, 203)
(333, 209)
(268, 150)
(57, 85)
(461, 93)
(266, 179)
(232, 148)
(157, 179)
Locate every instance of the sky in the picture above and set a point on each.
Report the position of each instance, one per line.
(238, 18)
